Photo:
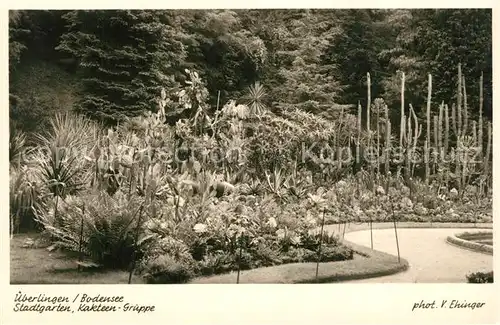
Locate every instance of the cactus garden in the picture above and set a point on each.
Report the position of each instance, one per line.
(171, 166)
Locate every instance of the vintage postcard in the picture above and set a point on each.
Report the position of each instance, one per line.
(313, 163)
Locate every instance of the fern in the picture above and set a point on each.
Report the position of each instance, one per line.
(108, 226)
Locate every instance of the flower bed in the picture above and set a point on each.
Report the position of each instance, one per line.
(111, 231)
(148, 198)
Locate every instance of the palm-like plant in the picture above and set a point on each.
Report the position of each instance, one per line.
(58, 164)
(62, 174)
(255, 98)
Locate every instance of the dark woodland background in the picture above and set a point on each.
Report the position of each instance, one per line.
(110, 64)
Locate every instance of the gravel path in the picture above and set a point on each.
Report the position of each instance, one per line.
(431, 258)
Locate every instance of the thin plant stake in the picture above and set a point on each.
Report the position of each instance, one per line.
(81, 238)
(343, 231)
(401, 132)
(371, 232)
(239, 260)
(320, 243)
(395, 231)
(369, 101)
(132, 266)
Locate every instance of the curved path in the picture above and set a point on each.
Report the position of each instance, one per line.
(431, 258)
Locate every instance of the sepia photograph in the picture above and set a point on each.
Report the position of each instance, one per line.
(251, 146)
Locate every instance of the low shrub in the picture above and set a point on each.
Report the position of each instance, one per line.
(165, 269)
(294, 255)
(311, 241)
(265, 256)
(330, 254)
(215, 263)
(480, 277)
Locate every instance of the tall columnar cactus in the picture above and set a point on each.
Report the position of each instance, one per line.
(459, 102)
(474, 134)
(435, 120)
(378, 107)
(428, 135)
(426, 158)
(359, 126)
(408, 143)
(488, 149)
(387, 140)
(401, 132)
(446, 129)
(416, 135)
(480, 127)
(458, 162)
(454, 119)
(369, 101)
(436, 142)
(440, 126)
(465, 111)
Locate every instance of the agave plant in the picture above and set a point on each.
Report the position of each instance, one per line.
(276, 182)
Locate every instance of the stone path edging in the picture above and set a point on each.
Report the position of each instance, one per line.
(470, 245)
(409, 224)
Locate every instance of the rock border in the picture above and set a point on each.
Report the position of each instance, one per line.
(469, 245)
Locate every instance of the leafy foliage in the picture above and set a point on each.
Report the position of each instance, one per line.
(480, 277)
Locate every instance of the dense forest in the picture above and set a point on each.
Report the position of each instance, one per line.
(177, 144)
(111, 64)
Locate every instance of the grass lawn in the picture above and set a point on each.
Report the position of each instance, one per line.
(366, 263)
(39, 266)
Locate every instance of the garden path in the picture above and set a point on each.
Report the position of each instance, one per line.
(431, 258)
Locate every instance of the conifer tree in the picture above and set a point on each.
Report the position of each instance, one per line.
(124, 57)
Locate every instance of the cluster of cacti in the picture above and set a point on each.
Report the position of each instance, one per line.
(445, 146)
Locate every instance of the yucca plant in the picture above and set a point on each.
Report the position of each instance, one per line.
(68, 130)
(59, 161)
(256, 96)
(61, 173)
